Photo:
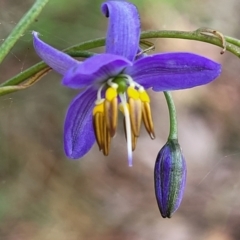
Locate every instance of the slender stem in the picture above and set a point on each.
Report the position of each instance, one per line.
(21, 27)
(232, 40)
(173, 133)
(21, 77)
(95, 43)
(232, 45)
(82, 54)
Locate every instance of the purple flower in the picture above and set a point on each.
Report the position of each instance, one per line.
(115, 80)
(170, 178)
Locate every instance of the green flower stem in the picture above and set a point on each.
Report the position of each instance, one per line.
(21, 77)
(82, 54)
(99, 42)
(32, 80)
(21, 27)
(232, 40)
(173, 133)
(232, 45)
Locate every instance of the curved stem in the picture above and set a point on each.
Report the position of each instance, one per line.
(232, 40)
(173, 133)
(21, 77)
(232, 45)
(21, 27)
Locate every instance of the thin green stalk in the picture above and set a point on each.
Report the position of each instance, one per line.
(99, 42)
(232, 45)
(21, 27)
(21, 77)
(173, 133)
(82, 54)
(232, 40)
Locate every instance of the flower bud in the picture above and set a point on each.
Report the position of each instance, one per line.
(170, 178)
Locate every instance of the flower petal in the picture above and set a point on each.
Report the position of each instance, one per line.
(59, 61)
(95, 69)
(78, 128)
(124, 28)
(173, 71)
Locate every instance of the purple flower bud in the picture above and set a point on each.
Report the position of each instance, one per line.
(170, 178)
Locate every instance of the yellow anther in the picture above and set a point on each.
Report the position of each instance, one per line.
(132, 93)
(98, 108)
(98, 124)
(135, 112)
(134, 141)
(144, 96)
(147, 119)
(111, 93)
(111, 115)
(106, 140)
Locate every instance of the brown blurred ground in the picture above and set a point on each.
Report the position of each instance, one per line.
(44, 196)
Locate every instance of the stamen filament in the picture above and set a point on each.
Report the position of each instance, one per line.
(131, 81)
(112, 84)
(99, 94)
(128, 127)
(135, 106)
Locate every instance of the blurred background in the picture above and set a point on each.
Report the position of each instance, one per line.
(45, 196)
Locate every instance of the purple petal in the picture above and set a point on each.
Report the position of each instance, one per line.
(124, 28)
(98, 68)
(173, 71)
(59, 61)
(78, 128)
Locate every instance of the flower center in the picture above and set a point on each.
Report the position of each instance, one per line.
(133, 101)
